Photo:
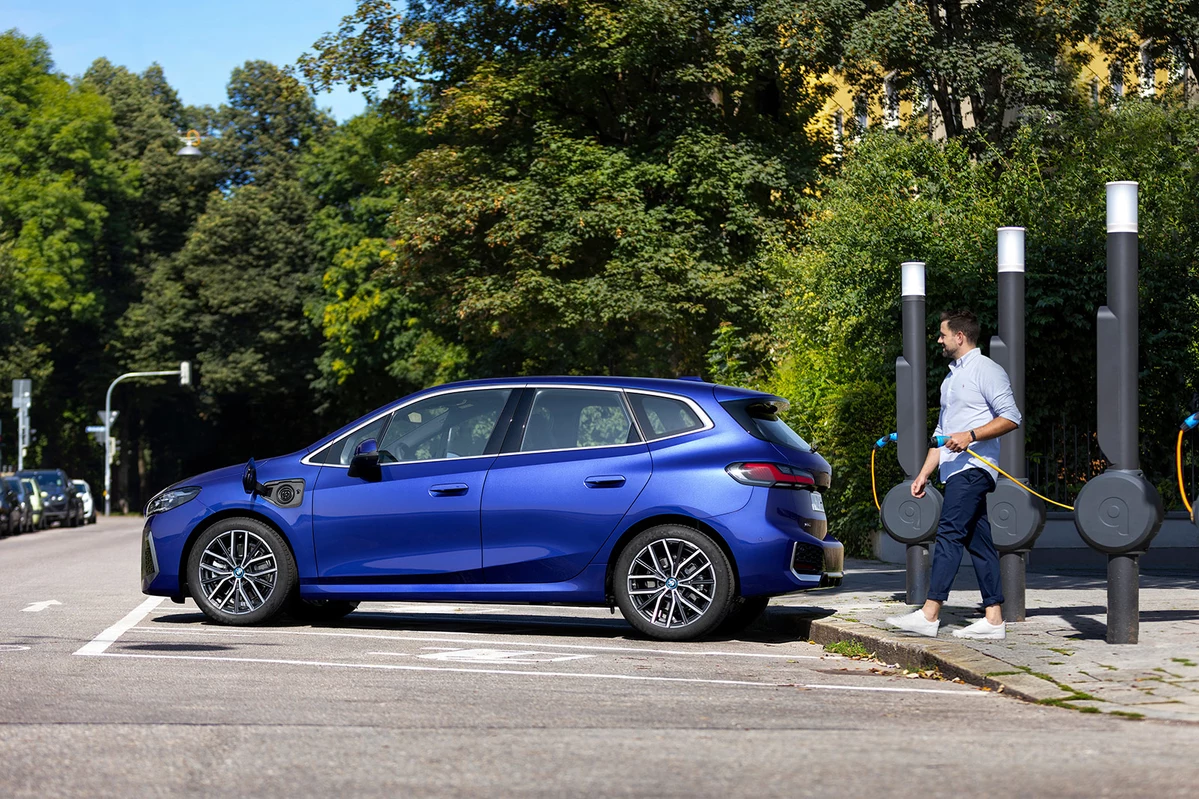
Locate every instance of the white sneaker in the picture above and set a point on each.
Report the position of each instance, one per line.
(982, 629)
(915, 622)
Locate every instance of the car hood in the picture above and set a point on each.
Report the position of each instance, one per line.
(218, 476)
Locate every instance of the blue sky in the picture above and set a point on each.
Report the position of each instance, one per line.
(197, 43)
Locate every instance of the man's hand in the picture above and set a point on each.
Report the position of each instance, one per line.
(918, 485)
(958, 442)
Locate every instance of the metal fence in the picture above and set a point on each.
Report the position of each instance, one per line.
(1060, 463)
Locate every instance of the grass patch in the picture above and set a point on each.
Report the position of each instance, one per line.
(1065, 652)
(1109, 668)
(1128, 714)
(1067, 702)
(1057, 663)
(849, 649)
(1183, 661)
(1001, 673)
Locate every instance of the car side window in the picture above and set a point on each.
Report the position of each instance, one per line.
(663, 416)
(565, 418)
(456, 425)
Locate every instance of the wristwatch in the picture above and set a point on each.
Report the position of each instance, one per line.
(972, 436)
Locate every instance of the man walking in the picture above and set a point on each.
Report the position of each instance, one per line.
(977, 407)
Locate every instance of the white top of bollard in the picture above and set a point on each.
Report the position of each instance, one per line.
(1011, 249)
(912, 278)
(1122, 206)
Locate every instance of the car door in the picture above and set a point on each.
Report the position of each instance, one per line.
(416, 518)
(568, 475)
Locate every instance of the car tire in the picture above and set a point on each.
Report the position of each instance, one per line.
(678, 565)
(240, 571)
(318, 611)
(745, 611)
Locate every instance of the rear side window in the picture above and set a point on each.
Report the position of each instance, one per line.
(577, 419)
(663, 416)
(760, 418)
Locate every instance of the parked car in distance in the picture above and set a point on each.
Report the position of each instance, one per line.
(11, 513)
(25, 500)
(35, 500)
(89, 504)
(60, 501)
(686, 504)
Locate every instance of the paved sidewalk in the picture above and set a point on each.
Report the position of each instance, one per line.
(1058, 655)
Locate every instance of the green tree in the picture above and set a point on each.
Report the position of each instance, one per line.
(982, 64)
(58, 175)
(598, 179)
(1169, 27)
(232, 299)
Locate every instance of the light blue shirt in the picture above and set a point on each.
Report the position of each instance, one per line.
(975, 392)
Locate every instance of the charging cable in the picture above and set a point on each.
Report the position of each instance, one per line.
(880, 444)
(1188, 423)
(939, 441)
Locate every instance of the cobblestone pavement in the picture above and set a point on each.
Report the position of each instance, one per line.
(1061, 645)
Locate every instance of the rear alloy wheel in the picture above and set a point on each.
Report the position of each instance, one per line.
(240, 571)
(673, 583)
(317, 611)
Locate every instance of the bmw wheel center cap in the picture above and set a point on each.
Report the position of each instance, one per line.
(238, 572)
(672, 583)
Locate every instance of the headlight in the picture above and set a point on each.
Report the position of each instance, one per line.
(170, 499)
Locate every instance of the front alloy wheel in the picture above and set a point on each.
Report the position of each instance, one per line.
(240, 571)
(673, 583)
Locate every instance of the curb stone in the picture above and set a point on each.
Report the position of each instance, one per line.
(952, 659)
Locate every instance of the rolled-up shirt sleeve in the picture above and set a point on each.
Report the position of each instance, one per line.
(996, 389)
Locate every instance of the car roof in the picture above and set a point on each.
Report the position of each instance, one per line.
(687, 387)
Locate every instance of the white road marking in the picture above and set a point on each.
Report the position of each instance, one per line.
(12, 648)
(101, 642)
(37, 607)
(513, 672)
(494, 656)
(432, 639)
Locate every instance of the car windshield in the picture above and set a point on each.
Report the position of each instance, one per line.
(50, 480)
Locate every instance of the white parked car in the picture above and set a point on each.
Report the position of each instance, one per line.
(89, 505)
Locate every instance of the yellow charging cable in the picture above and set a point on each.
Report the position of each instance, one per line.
(1017, 482)
(1178, 460)
(882, 442)
(874, 486)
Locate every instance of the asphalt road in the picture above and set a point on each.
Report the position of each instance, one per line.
(105, 692)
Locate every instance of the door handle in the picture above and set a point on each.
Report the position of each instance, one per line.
(605, 481)
(448, 489)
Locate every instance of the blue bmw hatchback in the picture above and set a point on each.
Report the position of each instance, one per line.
(685, 504)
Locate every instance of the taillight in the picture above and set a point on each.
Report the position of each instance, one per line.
(771, 475)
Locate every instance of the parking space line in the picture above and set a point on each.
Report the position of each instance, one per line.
(518, 673)
(101, 642)
(431, 639)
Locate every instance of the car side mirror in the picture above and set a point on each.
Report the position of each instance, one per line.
(365, 463)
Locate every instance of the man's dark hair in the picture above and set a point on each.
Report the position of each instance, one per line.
(962, 321)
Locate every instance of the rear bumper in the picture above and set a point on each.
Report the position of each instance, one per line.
(781, 547)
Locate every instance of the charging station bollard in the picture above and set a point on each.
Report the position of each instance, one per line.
(1119, 512)
(909, 520)
(1017, 517)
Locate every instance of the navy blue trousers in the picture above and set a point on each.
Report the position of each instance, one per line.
(964, 521)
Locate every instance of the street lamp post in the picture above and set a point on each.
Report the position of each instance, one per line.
(185, 378)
